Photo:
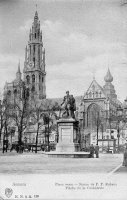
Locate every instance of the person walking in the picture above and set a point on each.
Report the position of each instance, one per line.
(97, 151)
(125, 157)
(91, 151)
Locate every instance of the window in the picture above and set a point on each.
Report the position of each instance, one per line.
(28, 79)
(34, 49)
(27, 92)
(30, 50)
(33, 78)
(15, 92)
(42, 79)
(34, 61)
(9, 93)
(90, 95)
(96, 94)
(33, 88)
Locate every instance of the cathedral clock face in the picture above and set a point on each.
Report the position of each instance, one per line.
(30, 64)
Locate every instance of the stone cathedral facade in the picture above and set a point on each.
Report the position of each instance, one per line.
(99, 105)
(34, 75)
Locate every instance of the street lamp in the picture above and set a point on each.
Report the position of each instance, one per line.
(125, 109)
(119, 117)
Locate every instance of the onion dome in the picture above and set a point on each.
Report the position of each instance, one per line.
(108, 77)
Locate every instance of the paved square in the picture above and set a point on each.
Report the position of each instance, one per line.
(31, 163)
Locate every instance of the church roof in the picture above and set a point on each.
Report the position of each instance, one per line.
(94, 91)
(59, 100)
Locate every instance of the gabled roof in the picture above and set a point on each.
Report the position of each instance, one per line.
(96, 89)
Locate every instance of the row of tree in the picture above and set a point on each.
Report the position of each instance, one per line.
(23, 110)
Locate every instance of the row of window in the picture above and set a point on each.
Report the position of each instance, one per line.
(15, 92)
(94, 94)
(33, 79)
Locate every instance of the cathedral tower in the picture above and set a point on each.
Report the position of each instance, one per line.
(34, 65)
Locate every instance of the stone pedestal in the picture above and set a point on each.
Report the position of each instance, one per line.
(68, 135)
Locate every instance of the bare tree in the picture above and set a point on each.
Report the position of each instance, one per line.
(43, 113)
(50, 115)
(4, 121)
(19, 113)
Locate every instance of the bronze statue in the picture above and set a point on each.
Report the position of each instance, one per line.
(69, 106)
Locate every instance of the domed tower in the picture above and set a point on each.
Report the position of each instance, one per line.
(108, 87)
(34, 65)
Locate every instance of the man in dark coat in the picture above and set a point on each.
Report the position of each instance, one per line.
(91, 151)
(97, 151)
(125, 157)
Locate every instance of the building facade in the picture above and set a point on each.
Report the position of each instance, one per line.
(34, 75)
(98, 110)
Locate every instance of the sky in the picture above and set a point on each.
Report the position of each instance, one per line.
(82, 39)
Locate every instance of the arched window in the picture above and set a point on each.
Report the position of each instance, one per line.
(94, 116)
(90, 95)
(30, 50)
(28, 79)
(27, 93)
(93, 94)
(34, 61)
(33, 78)
(33, 88)
(39, 77)
(15, 92)
(9, 93)
(96, 94)
(34, 49)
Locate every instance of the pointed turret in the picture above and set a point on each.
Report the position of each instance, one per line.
(108, 87)
(26, 54)
(19, 68)
(18, 74)
(36, 15)
(108, 77)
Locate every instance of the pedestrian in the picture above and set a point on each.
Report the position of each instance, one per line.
(125, 157)
(97, 151)
(91, 151)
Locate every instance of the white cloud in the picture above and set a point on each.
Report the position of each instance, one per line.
(71, 58)
(66, 45)
(77, 77)
(26, 26)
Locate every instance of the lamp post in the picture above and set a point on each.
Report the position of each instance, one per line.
(119, 117)
(125, 115)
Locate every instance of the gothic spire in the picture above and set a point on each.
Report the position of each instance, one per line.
(19, 67)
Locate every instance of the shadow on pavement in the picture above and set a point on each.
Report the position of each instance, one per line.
(122, 169)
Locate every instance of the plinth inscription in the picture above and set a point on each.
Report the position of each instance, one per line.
(65, 135)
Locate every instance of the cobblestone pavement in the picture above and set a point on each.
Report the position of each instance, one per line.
(31, 163)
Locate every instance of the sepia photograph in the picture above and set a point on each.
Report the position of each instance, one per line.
(63, 99)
